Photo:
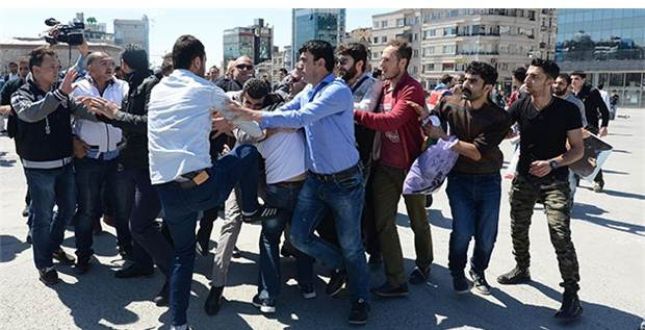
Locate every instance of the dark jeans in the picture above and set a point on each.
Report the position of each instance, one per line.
(282, 196)
(143, 205)
(474, 202)
(48, 188)
(181, 208)
(344, 199)
(91, 174)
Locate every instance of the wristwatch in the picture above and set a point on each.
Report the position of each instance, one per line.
(553, 164)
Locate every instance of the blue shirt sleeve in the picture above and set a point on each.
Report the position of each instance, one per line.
(331, 100)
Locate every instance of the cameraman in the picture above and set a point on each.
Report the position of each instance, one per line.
(44, 144)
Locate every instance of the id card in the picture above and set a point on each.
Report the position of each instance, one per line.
(201, 178)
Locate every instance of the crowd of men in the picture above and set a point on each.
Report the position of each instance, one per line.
(327, 149)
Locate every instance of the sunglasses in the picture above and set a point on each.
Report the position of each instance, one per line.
(244, 66)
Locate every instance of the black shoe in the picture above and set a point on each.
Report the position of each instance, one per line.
(479, 283)
(571, 309)
(308, 291)
(163, 297)
(63, 257)
(598, 186)
(82, 266)
(97, 229)
(516, 276)
(214, 300)
(48, 276)
(287, 250)
(134, 270)
(359, 312)
(336, 282)
(236, 252)
(125, 252)
(389, 291)
(266, 305)
(25, 211)
(460, 284)
(419, 276)
(429, 201)
(262, 213)
(28, 239)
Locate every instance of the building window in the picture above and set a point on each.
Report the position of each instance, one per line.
(415, 53)
(450, 49)
(383, 24)
(415, 69)
(375, 24)
(415, 36)
(383, 39)
(400, 22)
(429, 67)
(427, 51)
(450, 31)
(375, 40)
(448, 67)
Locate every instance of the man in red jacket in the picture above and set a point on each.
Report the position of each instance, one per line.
(400, 144)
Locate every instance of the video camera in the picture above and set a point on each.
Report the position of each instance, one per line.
(69, 34)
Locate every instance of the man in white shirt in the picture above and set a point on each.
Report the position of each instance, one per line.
(179, 123)
(97, 165)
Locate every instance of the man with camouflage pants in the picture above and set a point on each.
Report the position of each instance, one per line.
(546, 124)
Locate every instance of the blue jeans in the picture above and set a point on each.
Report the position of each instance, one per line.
(91, 175)
(143, 206)
(282, 196)
(344, 199)
(474, 202)
(49, 187)
(181, 208)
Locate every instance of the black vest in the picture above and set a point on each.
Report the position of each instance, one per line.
(45, 140)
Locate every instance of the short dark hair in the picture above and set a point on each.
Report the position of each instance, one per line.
(565, 77)
(166, 64)
(486, 71)
(519, 73)
(403, 50)
(549, 67)
(446, 79)
(320, 49)
(356, 50)
(185, 50)
(284, 71)
(601, 86)
(37, 55)
(256, 88)
(135, 57)
(580, 74)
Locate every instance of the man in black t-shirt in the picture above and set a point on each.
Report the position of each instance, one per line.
(546, 124)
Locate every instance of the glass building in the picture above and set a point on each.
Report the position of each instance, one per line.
(316, 23)
(609, 45)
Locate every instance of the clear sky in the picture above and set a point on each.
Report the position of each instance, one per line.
(167, 24)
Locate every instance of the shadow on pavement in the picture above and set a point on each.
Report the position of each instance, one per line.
(11, 246)
(593, 214)
(6, 162)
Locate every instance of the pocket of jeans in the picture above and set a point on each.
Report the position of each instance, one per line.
(350, 183)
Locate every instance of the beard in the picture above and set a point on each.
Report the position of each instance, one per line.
(559, 92)
(347, 75)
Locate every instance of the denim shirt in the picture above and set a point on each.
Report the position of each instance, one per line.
(326, 113)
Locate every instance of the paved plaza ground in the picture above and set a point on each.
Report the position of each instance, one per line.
(608, 232)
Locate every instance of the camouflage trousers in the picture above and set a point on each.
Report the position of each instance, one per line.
(554, 193)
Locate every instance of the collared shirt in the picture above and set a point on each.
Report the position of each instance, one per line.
(179, 123)
(326, 113)
(366, 91)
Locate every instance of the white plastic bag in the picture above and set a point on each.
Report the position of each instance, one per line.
(431, 168)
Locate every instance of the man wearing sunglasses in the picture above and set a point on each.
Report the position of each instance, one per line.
(243, 70)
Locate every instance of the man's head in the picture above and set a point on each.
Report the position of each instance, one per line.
(519, 74)
(134, 58)
(479, 80)
(44, 65)
(13, 67)
(395, 59)
(561, 84)
(282, 73)
(254, 92)
(578, 79)
(213, 73)
(23, 68)
(297, 80)
(447, 80)
(317, 58)
(166, 65)
(188, 53)
(243, 69)
(100, 66)
(540, 77)
(351, 60)
(601, 86)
